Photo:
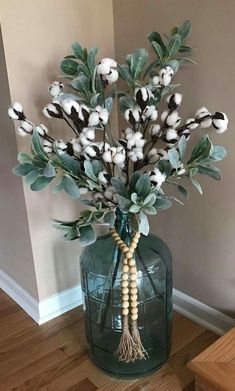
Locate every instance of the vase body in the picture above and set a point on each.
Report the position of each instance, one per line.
(101, 269)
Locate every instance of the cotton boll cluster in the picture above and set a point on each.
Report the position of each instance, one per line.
(220, 122)
(174, 101)
(47, 146)
(56, 88)
(116, 155)
(135, 144)
(171, 119)
(99, 115)
(204, 117)
(150, 113)
(155, 130)
(171, 135)
(157, 178)
(16, 112)
(85, 144)
(164, 77)
(107, 70)
(26, 127)
(53, 110)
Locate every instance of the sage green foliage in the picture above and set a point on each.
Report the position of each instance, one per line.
(139, 198)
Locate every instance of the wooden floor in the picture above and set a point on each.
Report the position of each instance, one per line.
(54, 356)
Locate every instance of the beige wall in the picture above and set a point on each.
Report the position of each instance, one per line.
(200, 234)
(36, 37)
(16, 257)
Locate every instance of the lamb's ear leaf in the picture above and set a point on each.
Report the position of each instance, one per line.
(182, 144)
(119, 187)
(123, 203)
(23, 169)
(162, 203)
(110, 218)
(201, 150)
(37, 146)
(209, 170)
(40, 183)
(32, 176)
(91, 59)
(87, 235)
(138, 61)
(155, 36)
(134, 178)
(185, 30)
(174, 158)
(143, 185)
(78, 51)
(70, 186)
(143, 224)
(183, 191)
(218, 153)
(23, 157)
(49, 170)
(134, 223)
(174, 44)
(69, 67)
(197, 185)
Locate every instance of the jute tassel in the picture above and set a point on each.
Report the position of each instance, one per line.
(130, 346)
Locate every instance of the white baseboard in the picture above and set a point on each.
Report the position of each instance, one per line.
(43, 310)
(201, 313)
(68, 299)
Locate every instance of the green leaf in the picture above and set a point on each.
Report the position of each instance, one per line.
(209, 170)
(138, 61)
(109, 104)
(155, 36)
(143, 185)
(174, 44)
(119, 187)
(174, 30)
(37, 146)
(165, 167)
(143, 224)
(185, 49)
(218, 153)
(89, 170)
(78, 51)
(57, 188)
(124, 73)
(158, 50)
(69, 67)
(134, 223)
(87, 235)
(70, 186)
(72, 234)
(123, 203)
(185, 30)
(91, 59)
(183, 191)
(182, 144)
(162, 203)
(49, 170)
(150, 210)
(197, 185)
(134, 198)
(23, 169)
(69, 163)
(32, 176)
(151, 66)
(174, 158)
(97, 166)
(110, 218)
(134, 208)
(40, 183)
(23, 157)
(134, 178)
(126, 102)
(174, 64)
(201, 150)
(81, 83)
(149, 200)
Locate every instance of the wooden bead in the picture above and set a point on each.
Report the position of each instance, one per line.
(133, 245)
(135, 240)
(133, 297)
(125, 268)
(119, 242)
(132, 262)
(134, 317)
(112, 230)
(133, 269)
(125, 311)
(125, 261)
(125, 249)
(125, 284)
(129, 255)
(115, 236)
(125, 291)
(133, 291)
(134, 310)
(125, 304)
(133, 284)
(126, 297)
(137, 235)
(133, 304)
(125, 276)
(132, 248)
(133, 277)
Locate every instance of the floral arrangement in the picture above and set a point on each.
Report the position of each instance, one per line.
(127, 173)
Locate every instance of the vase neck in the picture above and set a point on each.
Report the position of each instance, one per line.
(122, 224)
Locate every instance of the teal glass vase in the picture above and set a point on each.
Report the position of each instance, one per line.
(101, 269)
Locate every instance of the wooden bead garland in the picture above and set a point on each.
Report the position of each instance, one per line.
(130, 347)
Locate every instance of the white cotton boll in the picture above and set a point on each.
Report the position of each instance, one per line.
(17, 107)
(156, 81)
(151, 113)
(56, 88)
(154, 130)
(27, 126)
(142, 93)
(127, 114)
(12, 114)
(112, 77)
(68, 105)
(171, 134)
(41, 129)
(172, 119)
(163, 154)
(174, 100)
(103, 116)
(137, 136)
(81, 110)
(84, 140)
(21, 132)
(51, 110)
(164, 115)
(61, 146)
(90, 151)
(165, 75)
(220, 122)
(47, 146)
(157, 178)
(119, 158)
(130, 143)
(128, 132)
(140, 143)
(76, 145)
(102, 177)
(206, 123)
(83, 190)
(193, 125)
(93, 119)
(139, 153)
(45, 112)
(107, 156)
(105, 65)
(182, 171)
(136, 115)
(89, 133)
(202, 112)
